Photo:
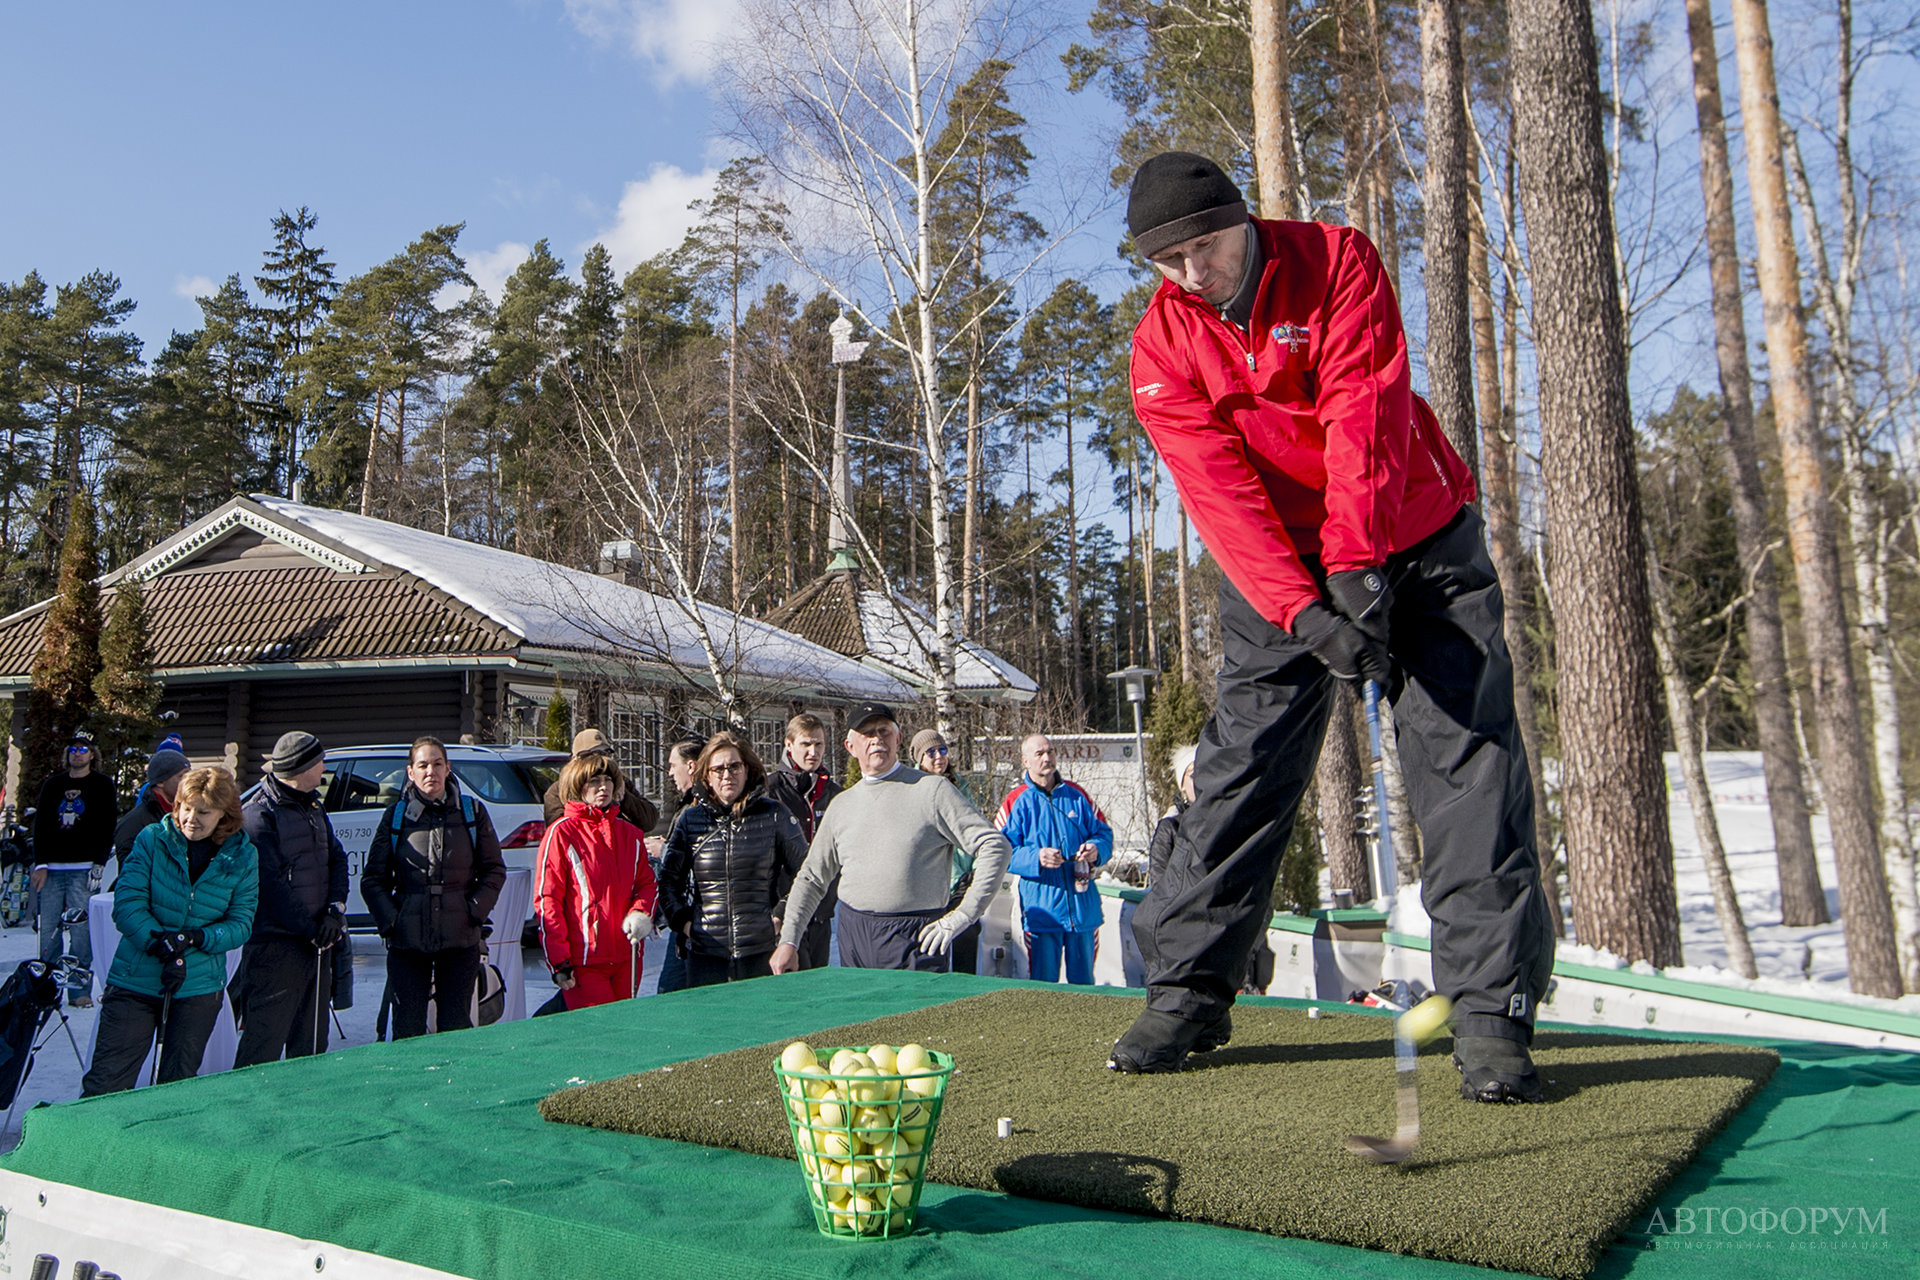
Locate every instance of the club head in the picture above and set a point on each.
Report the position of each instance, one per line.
(1377, 1150)
(74, 915)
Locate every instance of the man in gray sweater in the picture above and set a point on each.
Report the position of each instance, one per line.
(890, 840)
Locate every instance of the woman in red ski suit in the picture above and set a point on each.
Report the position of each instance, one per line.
(596, 888)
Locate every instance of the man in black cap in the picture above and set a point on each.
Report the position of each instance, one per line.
(1271, 371)
(890, 840)
(165, 768)
(72, 840)
(278, 992)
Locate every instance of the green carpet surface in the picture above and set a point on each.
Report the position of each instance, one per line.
(433, 1151)
(1251, 1137)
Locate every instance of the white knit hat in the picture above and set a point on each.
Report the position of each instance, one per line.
(1181, 762)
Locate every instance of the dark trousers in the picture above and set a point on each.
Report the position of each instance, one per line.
(887, 940)
(711, 971)
(447, 976)
(673, 968)
(1466, 772)
(274, 995)
(128, 1021)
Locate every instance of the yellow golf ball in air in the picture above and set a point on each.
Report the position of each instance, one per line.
(1425, 1020)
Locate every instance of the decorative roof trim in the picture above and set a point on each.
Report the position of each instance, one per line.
(238, 514)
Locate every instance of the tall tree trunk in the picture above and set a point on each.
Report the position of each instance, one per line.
(1147, 519)
(1386, 233)
(1866, 520)
(1499, 485)
(1180, 588)
(736, 531)
(1449, 341)
(1614, 786)
(1356, 112)
(1872, 962)
(1076, 649)
(1276, 166)
(1688, 745)
(1337, 781)
(373, 445)
(1802, 901)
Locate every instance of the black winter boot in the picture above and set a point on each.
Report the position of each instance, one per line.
(1496, 1069)
(1160, 1042)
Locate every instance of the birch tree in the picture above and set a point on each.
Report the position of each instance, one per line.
(846, 102)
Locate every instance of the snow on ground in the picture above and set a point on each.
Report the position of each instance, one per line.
(1804, 961)
(56, 1071)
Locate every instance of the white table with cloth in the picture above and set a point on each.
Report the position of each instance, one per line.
(503, 948)
(221, 1045)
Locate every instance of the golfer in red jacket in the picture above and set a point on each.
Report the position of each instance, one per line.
(596, 888)
(1271, 371)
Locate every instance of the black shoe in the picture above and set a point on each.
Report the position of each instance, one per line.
(1157, 1043)
(1215, 1034)
(1496, 1069)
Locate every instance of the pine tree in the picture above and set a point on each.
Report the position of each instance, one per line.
(297, 276)
(593, 326)
(1179, 712)
(559, 727)
(60, 698)
(125, 691)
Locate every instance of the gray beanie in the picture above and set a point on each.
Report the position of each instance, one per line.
(294, 752)
(164, 764)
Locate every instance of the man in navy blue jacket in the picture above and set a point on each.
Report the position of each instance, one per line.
(1059, 836)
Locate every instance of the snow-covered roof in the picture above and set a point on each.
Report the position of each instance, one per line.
(900, 634)
(550, 606)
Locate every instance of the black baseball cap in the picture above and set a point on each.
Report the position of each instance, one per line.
(871, 711)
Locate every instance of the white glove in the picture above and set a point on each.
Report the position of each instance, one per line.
(937, 938)
(638, 926)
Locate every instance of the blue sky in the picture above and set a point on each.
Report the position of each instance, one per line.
(156, 141)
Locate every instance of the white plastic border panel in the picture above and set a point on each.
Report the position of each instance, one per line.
(147, 1242)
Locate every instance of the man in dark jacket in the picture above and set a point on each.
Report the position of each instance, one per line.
(1271, 371)
(634, 807)
(165, 768)
(805, 785)
(72, 840)
(302, 912)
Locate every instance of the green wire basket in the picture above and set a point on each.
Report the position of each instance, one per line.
(862, 1137)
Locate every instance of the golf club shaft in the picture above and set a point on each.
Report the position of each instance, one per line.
(1384, 875)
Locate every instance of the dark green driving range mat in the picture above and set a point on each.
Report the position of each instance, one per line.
(1250, 1136)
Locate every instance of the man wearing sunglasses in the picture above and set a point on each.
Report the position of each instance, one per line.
(73, 824)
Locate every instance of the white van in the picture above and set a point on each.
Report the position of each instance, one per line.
(362, 781)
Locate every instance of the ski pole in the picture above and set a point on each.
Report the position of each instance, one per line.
(1383, 865)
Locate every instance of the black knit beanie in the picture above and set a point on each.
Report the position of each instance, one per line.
(1178, 195)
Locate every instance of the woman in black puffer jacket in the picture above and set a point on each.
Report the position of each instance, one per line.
(433, 873)
(730, 858)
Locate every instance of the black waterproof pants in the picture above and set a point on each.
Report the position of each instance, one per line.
(280, 999)
(128, 1021)
(1466, 772)
(447, 977)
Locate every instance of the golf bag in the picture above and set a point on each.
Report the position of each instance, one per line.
(16, 862)
(27, 999)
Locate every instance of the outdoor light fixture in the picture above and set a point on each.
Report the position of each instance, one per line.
(1134, 681)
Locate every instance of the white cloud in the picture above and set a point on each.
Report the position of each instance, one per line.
(653, 214)
(491, 267)
(679, 38)
(195, 287)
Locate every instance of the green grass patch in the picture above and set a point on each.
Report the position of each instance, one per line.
(1249, 1137)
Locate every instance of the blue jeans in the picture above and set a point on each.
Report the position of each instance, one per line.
(63, 891)
(1048, 947)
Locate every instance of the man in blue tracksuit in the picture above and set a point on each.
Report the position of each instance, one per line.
(1059, 836)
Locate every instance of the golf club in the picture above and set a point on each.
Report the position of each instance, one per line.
(1405, 1052)
(633, 974)
(160, 1036)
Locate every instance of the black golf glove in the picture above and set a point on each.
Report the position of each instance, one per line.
(1349, 652)
(163, 946)
(194, 939)
(330, 928)
(1362, 597)
(173, 972)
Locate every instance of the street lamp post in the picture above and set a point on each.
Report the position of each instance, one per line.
(839, 507)
(1134, 681)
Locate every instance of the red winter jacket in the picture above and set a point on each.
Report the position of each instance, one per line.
(593, 871)
(1305, 438)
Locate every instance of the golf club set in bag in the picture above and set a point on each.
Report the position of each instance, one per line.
(47, 1267)
(28, 998)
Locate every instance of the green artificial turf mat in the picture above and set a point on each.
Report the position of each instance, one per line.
(1250, 1136)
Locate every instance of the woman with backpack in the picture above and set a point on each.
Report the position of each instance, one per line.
(433, 873)
(731, 857)
(596, 888)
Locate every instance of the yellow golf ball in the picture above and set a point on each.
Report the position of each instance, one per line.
(1425, 1020)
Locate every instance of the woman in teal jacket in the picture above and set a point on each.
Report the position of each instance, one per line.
(185, 898)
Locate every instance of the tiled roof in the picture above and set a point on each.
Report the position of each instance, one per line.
(284, 615)
(827, 612)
